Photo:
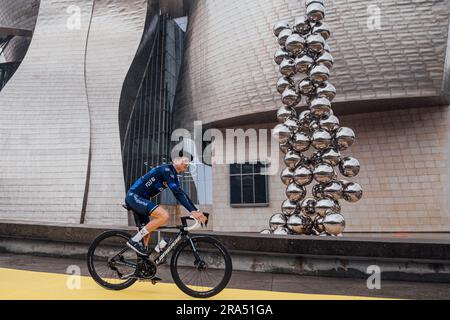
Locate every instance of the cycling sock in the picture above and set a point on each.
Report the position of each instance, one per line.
(140, 235)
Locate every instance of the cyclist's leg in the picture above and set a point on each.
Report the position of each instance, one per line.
(159, 218)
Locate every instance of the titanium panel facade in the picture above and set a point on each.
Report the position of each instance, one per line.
(44, 122)
(114, 36)
(59, 128)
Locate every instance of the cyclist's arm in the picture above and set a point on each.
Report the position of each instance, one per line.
(174, 184)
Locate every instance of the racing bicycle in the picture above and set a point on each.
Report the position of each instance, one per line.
(200, 265)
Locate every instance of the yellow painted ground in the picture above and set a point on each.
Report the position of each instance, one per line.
(28, 285)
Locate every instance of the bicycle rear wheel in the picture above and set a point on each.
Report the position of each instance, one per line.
(111, 263)
(202, 268)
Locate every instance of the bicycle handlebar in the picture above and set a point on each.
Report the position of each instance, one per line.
(196, 224)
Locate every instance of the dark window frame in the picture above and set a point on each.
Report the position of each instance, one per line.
(241, 174)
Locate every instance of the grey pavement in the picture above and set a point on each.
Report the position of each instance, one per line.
(262, 281)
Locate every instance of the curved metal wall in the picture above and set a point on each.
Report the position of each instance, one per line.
(60, 157)
(229, 70)
(114, 37)
(44, 123)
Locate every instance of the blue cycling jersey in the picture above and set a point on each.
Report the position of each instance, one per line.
(157, 180)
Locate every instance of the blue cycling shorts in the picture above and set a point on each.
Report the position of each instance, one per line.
(143, 207)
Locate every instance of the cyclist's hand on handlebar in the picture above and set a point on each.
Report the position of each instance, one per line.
(199, 216)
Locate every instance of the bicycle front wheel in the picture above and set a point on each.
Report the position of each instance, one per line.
(201, 267)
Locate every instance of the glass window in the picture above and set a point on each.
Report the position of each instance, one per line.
(248, 186)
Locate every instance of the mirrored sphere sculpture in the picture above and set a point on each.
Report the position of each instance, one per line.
(312, 143)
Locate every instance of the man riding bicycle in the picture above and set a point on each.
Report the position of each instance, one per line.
(150, 185)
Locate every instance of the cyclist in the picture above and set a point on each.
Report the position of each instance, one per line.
(150, 185)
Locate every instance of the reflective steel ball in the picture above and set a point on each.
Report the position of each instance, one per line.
(281, 231)
(295, 43)
(290, 97)
(280, 26)
(303, 176)
(326, 90)
(297, 224)
(323, 29)
(326, 205)
(331, 156)
(320, 108)
(287, 176)
(303, 63)
(352, 192)
(280, 55)
(292, 159)
(292, 124)
(287, 67)
(301, 25)
(284, 83)
(301, 142)
(282, 133)
(321, 139)
(315, 43)
(277, 220)
(315, 12)
(295, 193)
(282, 37)
(327, 48)
(323, 173)
(288, 207)
(333, 190)
(345, 137)
(285, 147)
(304, 119)
(330, 124)
(308, 207)
(319, 74)
(266, 231)
(306, 86)
(349, 167)
(325, 59)
(334, 223)
(284, 113)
